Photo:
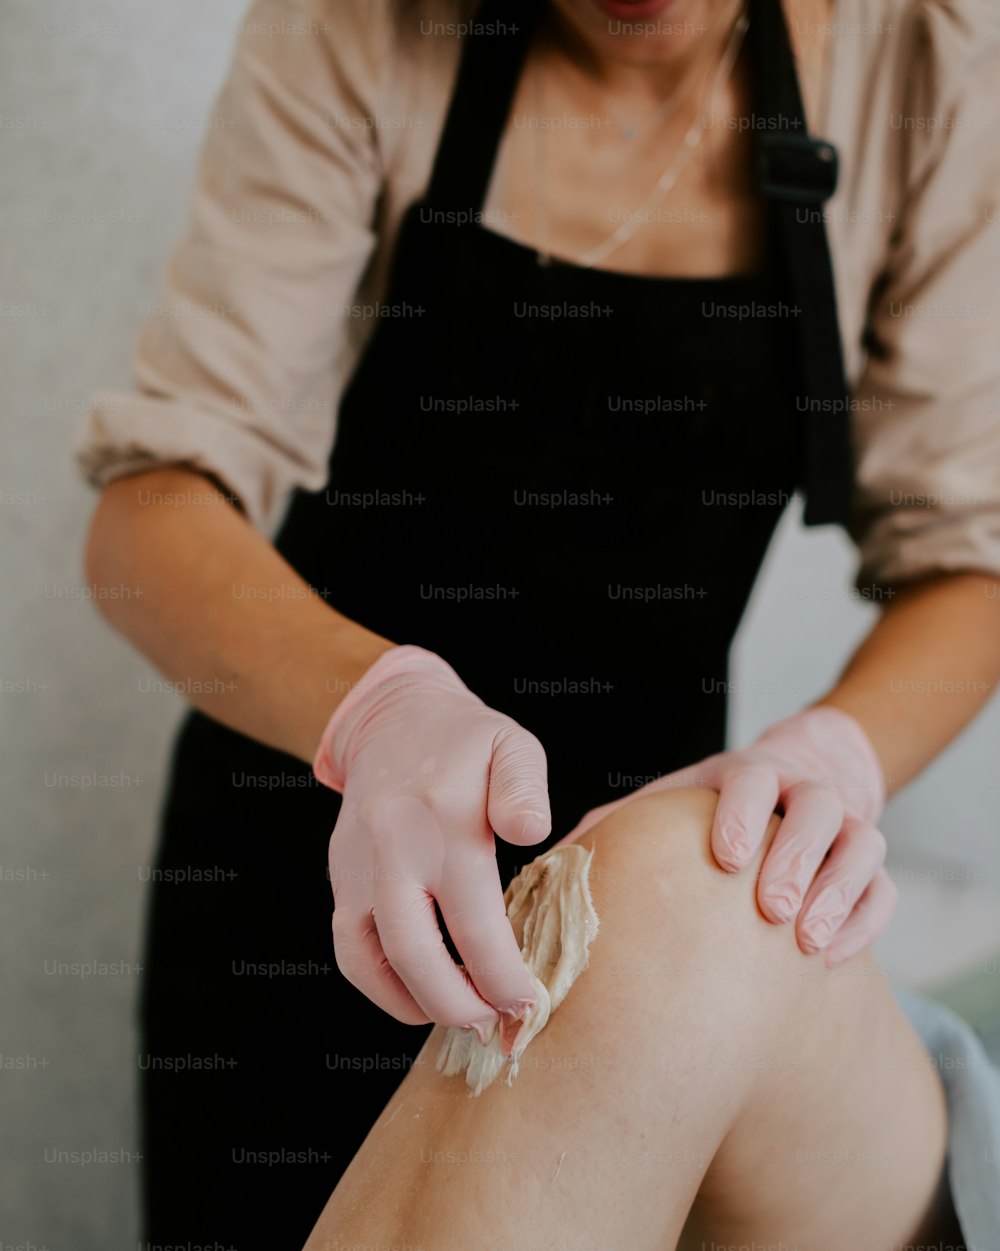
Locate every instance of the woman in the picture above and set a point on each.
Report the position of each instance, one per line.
(702, 1085)
(597, 251)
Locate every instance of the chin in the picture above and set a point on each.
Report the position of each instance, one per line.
(640, 30)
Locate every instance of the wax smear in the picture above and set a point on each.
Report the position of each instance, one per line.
(553, 918)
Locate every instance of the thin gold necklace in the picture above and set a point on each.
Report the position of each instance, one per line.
(630, 131)
(666, 180)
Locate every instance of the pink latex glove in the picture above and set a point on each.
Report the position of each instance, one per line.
(428, 772)
(825, 863)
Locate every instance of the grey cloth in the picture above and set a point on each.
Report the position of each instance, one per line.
(972, 1087)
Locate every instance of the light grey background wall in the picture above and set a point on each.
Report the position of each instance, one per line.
(102, 107)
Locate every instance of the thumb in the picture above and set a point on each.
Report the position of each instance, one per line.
(518, 800)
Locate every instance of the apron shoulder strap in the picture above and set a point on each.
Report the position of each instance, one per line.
(798, 174)
(488, 71)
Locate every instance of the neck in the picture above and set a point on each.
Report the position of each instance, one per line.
(641, 67)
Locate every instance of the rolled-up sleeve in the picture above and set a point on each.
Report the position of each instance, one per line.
(236, 368)
(926, 417)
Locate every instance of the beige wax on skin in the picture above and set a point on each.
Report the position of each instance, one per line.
(553, 918)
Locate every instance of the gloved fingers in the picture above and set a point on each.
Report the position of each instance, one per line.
(813, 818)
(414, 947)
(857, 854)
(360, 958)
(871, 915)
(518, 797)
(472, 904)
(747, 797)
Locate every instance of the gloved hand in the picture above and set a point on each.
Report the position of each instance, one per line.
(825, 863)
(428, 772)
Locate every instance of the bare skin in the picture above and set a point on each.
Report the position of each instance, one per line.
(930, 664)
(219, 610)
(702, 1082)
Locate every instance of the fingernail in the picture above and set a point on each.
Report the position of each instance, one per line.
(509, 1022)
(533, 824)
(484, 1028)
(818, 934)
(835, 955)
(783, 907)
(517, 1013)
(735, 850)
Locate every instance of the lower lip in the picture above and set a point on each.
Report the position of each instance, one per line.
(634, 10)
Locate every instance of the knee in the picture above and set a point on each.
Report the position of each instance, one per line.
(672, 911)
(655, 853)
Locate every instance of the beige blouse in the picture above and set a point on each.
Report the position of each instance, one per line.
(324, 133)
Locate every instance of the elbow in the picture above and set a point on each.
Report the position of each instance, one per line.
(106, 560)
(98, 556)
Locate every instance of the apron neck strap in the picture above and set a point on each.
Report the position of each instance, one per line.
(795, 172)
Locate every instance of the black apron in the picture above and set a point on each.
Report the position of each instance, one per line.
(562, 480)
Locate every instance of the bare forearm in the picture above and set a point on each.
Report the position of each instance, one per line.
(929, 665)
(183, 576)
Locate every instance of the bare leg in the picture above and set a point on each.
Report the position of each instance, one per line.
(703, 1081)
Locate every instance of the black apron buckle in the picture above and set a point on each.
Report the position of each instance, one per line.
(795, 168)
